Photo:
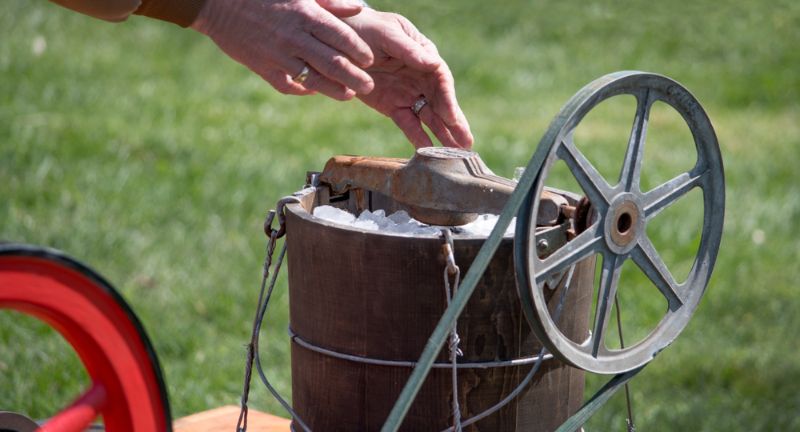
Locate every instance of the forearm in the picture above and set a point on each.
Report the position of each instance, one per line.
(180, 12)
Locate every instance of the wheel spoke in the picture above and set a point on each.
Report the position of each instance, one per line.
(585, 244)
(609, 278)
(663, 196)
(589, 179)
(80, 414)
(648, 259)
(632, 166)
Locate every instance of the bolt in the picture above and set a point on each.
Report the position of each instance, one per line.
(542, 245)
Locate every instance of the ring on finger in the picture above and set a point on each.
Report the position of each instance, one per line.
(302, 76)
(418, 104)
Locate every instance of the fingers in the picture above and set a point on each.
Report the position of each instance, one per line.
(446, 107)
(411, 127)
(423, 40)
(462, 133)
(335, 33)
(437, 126)
(445, 103)
(456, 135)
(313, 84)
(334, 66)
(326, 86)
(402, 46)
(417, 52)
(270, 36)
(341, 8)
(316, 82)
(283, 83)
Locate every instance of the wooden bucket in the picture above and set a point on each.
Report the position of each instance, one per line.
(379, 296)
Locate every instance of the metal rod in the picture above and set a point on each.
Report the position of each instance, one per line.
(598, 400)
(80, 414)
(629, 420)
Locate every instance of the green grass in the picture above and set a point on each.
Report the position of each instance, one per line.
(143, 151)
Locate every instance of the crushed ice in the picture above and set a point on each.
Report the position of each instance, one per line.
(401, 223)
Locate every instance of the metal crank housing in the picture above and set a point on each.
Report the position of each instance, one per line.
(617, 231)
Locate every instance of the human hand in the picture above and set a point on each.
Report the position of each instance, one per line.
(407, 66)
(276, 39)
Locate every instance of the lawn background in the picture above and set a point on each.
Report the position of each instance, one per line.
(141, 150)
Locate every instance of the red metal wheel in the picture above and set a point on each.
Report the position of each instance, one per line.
(127, 389)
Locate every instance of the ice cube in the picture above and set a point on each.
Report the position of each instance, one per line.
(334, 214)
(368, 225)
(427, 230)
(401, 223)
(483, 225)
(400, 217)
(400, 228)
(378, 217)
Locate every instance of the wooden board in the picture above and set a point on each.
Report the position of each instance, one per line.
(224, 419)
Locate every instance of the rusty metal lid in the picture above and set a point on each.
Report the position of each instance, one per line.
(440, 185)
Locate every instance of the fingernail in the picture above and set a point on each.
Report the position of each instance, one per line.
(367, 87)
(367, 61)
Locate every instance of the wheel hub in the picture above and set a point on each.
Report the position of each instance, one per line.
(624, 223)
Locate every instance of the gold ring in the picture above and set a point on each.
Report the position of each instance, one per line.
(302, 76)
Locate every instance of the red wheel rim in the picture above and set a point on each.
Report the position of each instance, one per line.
(127, 388)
